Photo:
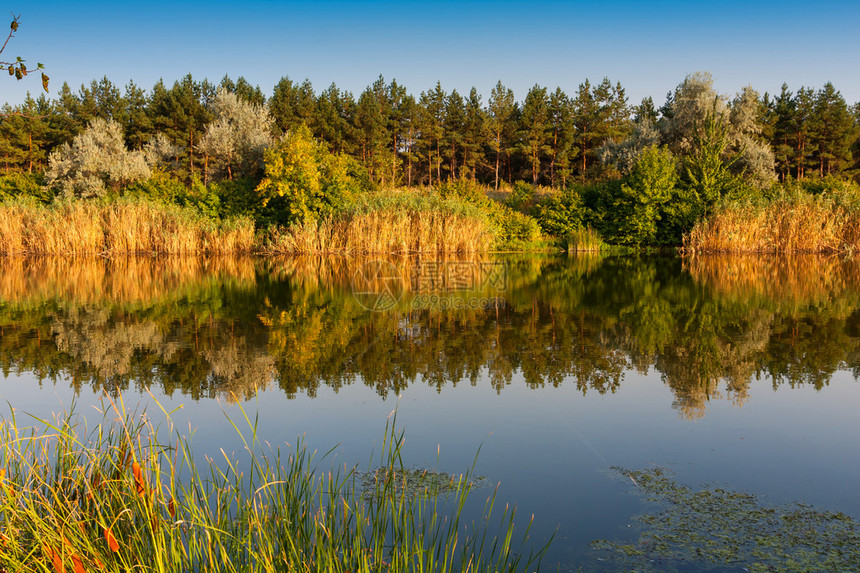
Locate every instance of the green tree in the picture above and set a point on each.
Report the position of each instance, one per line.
(643, 195)
(784, 125)
(373, 119)
(501, 110)
(535, 129)
(561, 126)
(474, 130)
(708, 168)
(292, 104)
(833, 134)
(804, 135)
(182, 113)
(454, 126)
(244, 90)
(432, 104)
(335, 120)
(645, 112)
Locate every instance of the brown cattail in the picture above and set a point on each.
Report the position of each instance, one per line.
(96, 480)
(111, 540)
(171, 508)
(55, 558)
(79, 566)
(138, 479)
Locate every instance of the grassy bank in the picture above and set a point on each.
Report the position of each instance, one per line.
(791, 222)
(120, 499)
(119, 227)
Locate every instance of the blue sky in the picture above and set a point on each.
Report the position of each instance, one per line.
(647, 46)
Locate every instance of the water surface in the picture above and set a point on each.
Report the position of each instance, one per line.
(740, 372)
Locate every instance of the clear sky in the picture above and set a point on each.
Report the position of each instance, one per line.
(647, 46)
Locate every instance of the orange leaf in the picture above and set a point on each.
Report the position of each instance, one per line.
(111, 540)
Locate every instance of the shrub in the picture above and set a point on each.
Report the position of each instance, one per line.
(522, 197)
(561, 213)
(18, 184)
(512, 229)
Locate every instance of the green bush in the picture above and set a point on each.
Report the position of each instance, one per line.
(513, 230)
(560, 214)
(638, 206)
(161, 188)
(522, 197)
(238, 198)
(19, 184)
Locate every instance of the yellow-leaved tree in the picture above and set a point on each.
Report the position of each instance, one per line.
(303, 180)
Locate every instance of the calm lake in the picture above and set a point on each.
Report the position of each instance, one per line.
(717, 374)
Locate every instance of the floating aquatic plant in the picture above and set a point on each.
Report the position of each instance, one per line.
(715, 527)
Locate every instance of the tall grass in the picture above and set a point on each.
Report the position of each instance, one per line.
(121, 227)
(585, 239)
(393, 223)
(118, 499)
(789, 223)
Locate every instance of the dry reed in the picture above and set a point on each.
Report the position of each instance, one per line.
(388, 231)
(789, 224)
(78, 227)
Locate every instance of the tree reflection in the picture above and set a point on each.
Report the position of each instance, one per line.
(228, 327)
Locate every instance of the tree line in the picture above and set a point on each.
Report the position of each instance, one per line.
(549, 138)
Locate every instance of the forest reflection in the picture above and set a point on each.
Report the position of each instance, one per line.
(228, 327)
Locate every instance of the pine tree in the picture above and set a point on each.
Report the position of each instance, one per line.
(474, 135)
(292, 104)
(455, 125)
(784, 125)
(804, 105)
(833, 127)
(334, 120)
(561, 126)
(181, 113)
(373, 119)
(432, 104)
(535, 129)
(645, 112)
(501, 110)
(137, 122)
(586, 117)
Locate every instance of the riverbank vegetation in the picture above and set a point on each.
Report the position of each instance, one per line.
(124, 495)
(388, 171)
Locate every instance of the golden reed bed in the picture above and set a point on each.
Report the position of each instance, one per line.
(795, 224)
(76, 228)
